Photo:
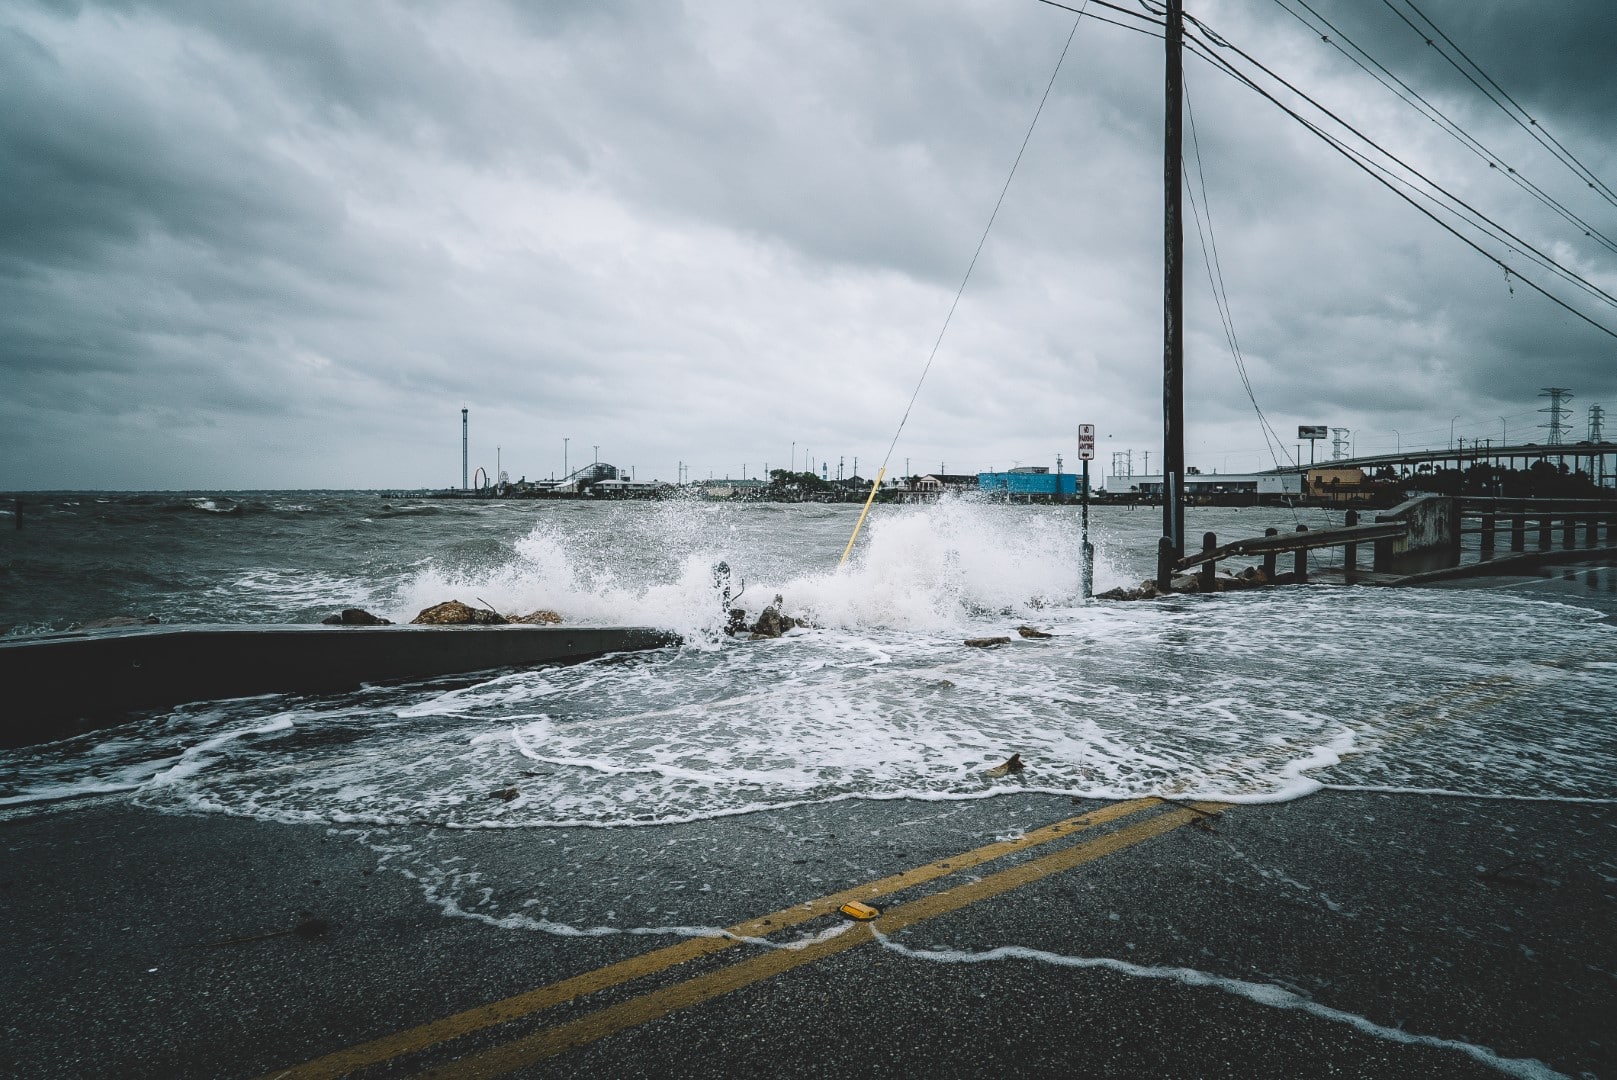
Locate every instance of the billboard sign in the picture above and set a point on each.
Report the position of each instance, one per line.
(1086, 442)
(1311, 431)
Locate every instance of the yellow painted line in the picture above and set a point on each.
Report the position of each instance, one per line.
(415, 1039)
(659, 1003)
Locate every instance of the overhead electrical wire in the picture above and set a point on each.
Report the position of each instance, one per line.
(1477, 219)
(1336, 38)
(1524, 119)
(981, 241)
(1112, 22)
(1206, 51)
(1215, 279)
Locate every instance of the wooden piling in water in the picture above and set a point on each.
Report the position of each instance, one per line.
(1518, 532)
(1269, 557)
(1209, 543)
(1350, 552)
(1301, 562)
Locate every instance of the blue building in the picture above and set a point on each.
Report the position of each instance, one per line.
(1035, 483)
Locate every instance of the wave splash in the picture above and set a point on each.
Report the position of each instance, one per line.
(918, 568)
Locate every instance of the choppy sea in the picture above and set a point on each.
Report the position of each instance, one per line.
(1505, 690)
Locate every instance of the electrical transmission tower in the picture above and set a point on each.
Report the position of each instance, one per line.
(1557, 395)
(1596, 414)
(1339, 442)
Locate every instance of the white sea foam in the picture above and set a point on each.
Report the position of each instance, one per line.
(1244, 697)
(1266, 994)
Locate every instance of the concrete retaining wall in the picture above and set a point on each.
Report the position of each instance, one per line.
(1433, 541)
(62, 684)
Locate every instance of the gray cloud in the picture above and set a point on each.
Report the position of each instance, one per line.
(280, 244)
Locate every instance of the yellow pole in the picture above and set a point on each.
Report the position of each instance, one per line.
(860, 523)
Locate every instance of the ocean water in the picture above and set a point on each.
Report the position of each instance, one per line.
(1504, 691)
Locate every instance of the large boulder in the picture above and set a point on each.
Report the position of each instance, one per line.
(455, 613)
(542, 617)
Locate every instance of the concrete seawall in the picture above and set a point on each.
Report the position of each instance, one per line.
(63, 684)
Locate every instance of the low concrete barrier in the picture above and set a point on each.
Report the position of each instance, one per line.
(1432, 541)
(61, 684)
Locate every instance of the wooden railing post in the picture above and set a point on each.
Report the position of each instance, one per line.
(1301, 569)
(1164, 564)
(1544, 533)
(1209, 543)
(1518, 532)
(1591, 530)
(1350, 552)
(1487, 535)
(1569, 531)
(1269, 557)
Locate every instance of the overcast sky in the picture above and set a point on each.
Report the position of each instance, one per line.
(280, 244)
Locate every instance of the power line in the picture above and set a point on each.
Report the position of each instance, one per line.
(1204, 50)
(983, 239)
(1335, 38)
(1524, 120)
(1215, 278)
(1477, 220)
(1112, 22)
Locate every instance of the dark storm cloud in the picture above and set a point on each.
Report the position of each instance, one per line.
(258, 243)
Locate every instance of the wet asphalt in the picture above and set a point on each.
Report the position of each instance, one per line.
(130, 944)
(1390, 935)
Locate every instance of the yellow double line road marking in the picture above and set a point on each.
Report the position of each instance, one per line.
(636, 1011)
(416, 1039)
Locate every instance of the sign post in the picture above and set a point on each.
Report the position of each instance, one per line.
(1086, 453)
(1313, 433)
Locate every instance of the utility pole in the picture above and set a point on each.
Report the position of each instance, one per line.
(1338, 442)
(463, 448)
(564, 473)
(1173, 297)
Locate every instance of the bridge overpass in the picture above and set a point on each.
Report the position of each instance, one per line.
(1595, 458)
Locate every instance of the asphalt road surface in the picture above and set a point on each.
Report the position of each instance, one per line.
(1345, 934)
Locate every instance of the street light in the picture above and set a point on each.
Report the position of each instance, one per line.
(1503, 442)
(564, 439)
(1398, 439)
(1451, 433)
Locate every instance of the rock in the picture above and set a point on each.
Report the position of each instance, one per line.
(736, 621)
(1012, 764)
(355, 617)
(505, 794)
(111, 622)
(771, 623)
(944, 684)
(1030, 632)
(987, 642)
(1186, 583)
(542, 617)
(455, 613)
